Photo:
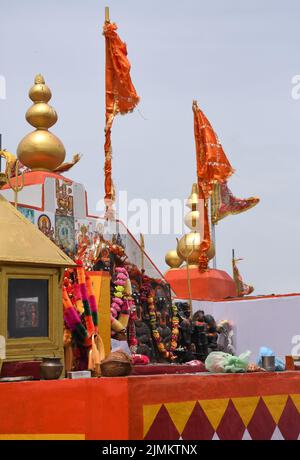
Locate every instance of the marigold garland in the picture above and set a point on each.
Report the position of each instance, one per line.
(122, 306)
(147, 295)
(79, 299)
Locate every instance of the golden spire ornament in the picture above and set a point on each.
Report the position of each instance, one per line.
(188, 246)
(41, 150)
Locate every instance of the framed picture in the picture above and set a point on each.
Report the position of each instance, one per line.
(28, 308)
(31, 311)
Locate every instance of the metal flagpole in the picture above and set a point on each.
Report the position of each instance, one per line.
(213, 226)
(213, 235)
(142, 245)
(107, 14)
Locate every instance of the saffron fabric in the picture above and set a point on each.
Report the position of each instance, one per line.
(252, 406)
(120, 94)
(241, 287)
(212, 163)
(212, 167)
(225, 203)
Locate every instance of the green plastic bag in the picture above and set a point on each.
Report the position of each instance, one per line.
(219, 362)
(237, 363)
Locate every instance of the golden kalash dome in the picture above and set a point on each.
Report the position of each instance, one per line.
(172, 259)
(185, 279)
(188, 246)
(41, 150)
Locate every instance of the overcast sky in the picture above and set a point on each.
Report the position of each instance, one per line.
(237, 58)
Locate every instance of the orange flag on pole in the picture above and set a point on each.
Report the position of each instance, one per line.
(225, 203)
(120, 95)
(212, 167)
(241, 287)
(212, 163)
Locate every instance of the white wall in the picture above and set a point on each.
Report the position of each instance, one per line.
(271, 322)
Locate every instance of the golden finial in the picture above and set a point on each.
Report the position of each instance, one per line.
(172, 259)
(193, 199)
(188, 246)
(41, 150)
(39, 79)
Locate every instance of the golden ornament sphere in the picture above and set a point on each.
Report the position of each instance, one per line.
(40, 93)
(172, 259)
(192, 220)
(41, 115)
(192, 201)
(188, 247)
(41, 150)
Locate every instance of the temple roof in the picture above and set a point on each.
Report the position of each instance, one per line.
(36, 177)
(21, 242)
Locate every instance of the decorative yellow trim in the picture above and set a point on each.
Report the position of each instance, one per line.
(180, 412)
(275, 405)
(214, 410)
(149, 414)
(296, 401)
(33, 347)
(42, 437)
(246, 407)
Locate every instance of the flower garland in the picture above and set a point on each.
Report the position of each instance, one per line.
(147, 296)
(122, 306)
(133, 341)
(175, 329)
(79, 299)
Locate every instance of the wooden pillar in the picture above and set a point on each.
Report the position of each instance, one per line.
(101, 283)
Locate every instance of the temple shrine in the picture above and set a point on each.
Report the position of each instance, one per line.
(86, 315)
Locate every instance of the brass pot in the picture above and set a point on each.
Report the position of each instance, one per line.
(51, 368)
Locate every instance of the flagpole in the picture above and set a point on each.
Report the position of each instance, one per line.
(213, 227)
(142, 245)
(107, 14)
(213, 236)
(120, 98)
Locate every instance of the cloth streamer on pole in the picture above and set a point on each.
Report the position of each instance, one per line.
(213, 167)
(120, 98)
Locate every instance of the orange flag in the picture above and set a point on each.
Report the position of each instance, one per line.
(225, 203)
(120, 95)
(241, 287)
(212, 167)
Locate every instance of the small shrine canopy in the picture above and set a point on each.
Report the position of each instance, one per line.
(21, 242)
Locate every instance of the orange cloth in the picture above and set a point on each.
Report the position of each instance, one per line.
(206, 241)
(241, 287)
(209, 285)
(212, 166)
(225, 203)
(120, 94)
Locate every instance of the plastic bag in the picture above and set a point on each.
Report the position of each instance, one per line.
(265, 351)
(219, 362)
(215, 361)
(119, 345)
(237, 363)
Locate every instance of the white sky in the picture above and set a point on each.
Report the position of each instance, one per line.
(236, 58)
